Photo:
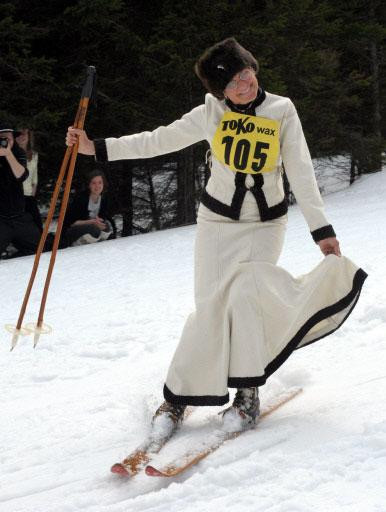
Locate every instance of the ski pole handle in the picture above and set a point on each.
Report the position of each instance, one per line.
(90, 82)
(85, 98)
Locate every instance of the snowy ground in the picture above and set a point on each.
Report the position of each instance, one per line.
(85, 396)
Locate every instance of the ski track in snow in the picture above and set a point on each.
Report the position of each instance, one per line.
(84, 397)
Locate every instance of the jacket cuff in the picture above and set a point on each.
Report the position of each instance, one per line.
(24, 176)
(100, 150)
(322, 233)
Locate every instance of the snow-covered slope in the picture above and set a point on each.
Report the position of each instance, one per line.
(85, 396)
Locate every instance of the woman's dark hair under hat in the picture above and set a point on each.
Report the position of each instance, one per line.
(218, 64)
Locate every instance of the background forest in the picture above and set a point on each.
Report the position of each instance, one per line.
(328, 56)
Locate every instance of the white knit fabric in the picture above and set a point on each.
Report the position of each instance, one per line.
(247, 308)
(202, 122)
(94, 207)
(250, 314)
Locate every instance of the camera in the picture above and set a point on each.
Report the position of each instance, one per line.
(3, 142)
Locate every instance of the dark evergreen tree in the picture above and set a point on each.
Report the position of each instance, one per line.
(362, 71)
(328, 57)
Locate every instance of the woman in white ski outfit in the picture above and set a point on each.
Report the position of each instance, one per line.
(250, 314)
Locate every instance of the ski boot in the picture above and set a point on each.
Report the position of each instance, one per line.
(244, 412)
(165, 422)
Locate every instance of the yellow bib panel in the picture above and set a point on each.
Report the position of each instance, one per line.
(246, 143)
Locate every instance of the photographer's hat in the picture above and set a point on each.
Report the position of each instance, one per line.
(7, 127)
(218, 64)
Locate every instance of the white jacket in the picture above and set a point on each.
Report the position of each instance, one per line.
(207, 121)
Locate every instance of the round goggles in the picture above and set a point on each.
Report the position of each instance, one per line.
(244, 75)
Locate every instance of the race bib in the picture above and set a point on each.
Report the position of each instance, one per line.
(247, 144)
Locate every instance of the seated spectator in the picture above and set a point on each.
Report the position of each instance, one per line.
(88, 218)
(16, 226)
(26, 142)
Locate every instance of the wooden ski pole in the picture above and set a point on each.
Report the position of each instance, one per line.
(70, 155)
(19, 329)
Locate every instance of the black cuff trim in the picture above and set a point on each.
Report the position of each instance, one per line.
(100, 150)
(194, 400)
(24, 176)
(322, 233)
(351, 297)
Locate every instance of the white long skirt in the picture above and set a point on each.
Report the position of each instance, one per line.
(251, 314)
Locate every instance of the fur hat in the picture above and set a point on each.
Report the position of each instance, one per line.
(219, 63)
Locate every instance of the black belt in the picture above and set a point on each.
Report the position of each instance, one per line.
(233, 210)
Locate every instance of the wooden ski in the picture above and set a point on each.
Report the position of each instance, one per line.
(192, 458)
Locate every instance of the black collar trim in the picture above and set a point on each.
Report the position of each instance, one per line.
(250, 107)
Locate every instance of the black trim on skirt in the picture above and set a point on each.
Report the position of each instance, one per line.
(246, 382)
(194, 400)
(233, 210)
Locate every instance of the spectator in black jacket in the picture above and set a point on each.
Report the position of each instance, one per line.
(88, 218)
(25, 141)
(16, 226)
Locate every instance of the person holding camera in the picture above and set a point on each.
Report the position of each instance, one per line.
(16, 226)
(25, 141)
